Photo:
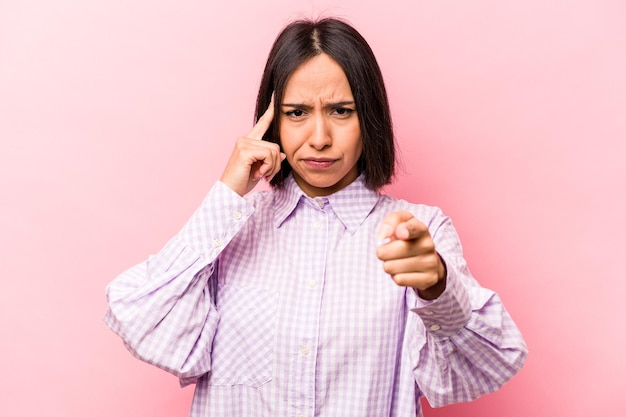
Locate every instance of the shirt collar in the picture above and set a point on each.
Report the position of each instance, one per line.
(351, 204)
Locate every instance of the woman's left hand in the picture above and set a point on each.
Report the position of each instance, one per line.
(409, 255)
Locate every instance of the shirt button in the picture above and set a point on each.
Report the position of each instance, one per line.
(217, 241)
(320, 203)
(435, 327)
(237, 215)
(312, 283)
(304, 350)
(317, 225)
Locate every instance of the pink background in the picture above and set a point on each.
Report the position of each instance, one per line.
(116, 117)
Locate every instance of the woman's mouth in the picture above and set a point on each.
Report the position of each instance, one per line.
(318, 163)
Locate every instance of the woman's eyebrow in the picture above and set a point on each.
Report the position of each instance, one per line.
(307, 106)
(340, 103)
(297, 105)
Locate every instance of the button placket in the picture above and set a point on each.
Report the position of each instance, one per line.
(311, 281)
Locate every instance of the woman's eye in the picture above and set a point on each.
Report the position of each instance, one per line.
(295, 113)
(342, 111)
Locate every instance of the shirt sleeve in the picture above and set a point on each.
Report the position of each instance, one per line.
(162, 308)
(463, 344)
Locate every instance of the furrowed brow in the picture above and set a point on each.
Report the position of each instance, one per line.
(299, 106)
(302, 106)
(340, 104)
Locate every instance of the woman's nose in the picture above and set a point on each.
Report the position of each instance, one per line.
(320, 136)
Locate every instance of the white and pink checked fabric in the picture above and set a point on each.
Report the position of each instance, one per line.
(275, 305)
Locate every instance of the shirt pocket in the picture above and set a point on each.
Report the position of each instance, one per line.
(243, 346)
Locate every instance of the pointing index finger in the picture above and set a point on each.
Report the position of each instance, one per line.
(390, 222)
(263, 123)
(400, 225)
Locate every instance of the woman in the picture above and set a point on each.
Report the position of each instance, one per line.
(321, 296)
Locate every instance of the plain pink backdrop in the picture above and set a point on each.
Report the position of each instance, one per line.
(116, 117)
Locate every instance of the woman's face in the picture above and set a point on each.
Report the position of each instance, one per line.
(319, 127)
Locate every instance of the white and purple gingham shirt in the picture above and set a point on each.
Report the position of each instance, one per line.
(276, 305)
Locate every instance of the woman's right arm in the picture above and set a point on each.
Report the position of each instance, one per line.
(162, 308)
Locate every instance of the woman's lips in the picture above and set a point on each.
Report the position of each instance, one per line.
(320, 163)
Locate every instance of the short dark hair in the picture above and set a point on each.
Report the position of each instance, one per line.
(302, 40)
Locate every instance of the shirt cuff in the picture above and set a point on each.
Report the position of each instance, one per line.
(450, 312)
(218, 219)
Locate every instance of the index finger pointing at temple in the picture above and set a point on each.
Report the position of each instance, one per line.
(263, 123)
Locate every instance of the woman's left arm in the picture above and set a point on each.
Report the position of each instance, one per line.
(464, 343)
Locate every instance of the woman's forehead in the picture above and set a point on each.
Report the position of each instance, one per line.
(320, 79)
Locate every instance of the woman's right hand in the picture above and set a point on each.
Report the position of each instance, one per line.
(253, 158)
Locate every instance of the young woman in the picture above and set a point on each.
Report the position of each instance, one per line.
(321, 296)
